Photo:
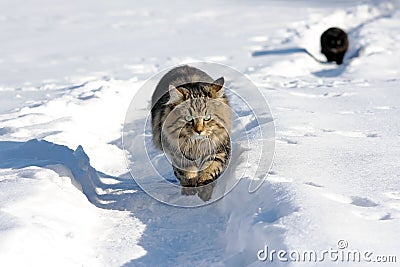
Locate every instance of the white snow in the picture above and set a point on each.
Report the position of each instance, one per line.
(45, 220)
(70, 69)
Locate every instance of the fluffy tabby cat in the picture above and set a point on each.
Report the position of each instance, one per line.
(334, 44)
(191, 120)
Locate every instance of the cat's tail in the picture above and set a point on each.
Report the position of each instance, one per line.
(358, 52)
(284, 51)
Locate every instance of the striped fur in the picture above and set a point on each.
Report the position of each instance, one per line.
(200, 148)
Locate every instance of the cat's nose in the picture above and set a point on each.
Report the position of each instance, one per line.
(198, 129)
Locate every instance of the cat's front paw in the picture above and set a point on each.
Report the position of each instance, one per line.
(188, 182)
(205, 178)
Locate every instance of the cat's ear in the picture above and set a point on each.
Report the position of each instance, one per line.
(175, 94)
(217, 89)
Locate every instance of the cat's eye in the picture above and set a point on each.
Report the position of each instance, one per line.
(339, 42)
(207, 118)
(188, 118)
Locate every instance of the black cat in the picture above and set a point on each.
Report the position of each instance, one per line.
(334, 45)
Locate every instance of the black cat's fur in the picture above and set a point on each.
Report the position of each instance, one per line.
(334, 44)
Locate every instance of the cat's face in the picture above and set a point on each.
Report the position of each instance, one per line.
(200, 118)
(334, 44)
(201, 113)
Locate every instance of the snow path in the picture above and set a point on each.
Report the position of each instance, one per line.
(335, 174)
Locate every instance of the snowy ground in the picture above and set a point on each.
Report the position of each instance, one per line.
(70, 69)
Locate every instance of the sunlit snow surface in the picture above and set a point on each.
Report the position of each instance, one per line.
(69, 71)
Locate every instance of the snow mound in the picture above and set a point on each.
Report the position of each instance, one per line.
(45, 221)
